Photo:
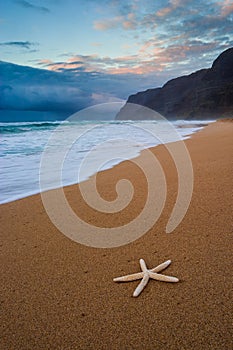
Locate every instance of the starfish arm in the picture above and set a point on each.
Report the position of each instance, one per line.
(128, 278)
(163, 278)
(141, 285)
(143, 265)
(161, 267)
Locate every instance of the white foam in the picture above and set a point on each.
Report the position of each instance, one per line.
(21, 152)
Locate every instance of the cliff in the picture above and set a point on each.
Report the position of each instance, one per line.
(205, 94)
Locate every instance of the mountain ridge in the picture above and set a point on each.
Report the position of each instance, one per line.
(204, 94)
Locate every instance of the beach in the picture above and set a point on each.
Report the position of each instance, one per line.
(59, 294)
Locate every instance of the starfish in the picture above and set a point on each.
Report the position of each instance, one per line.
(146, 274)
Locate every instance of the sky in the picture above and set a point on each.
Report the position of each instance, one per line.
(101, 50)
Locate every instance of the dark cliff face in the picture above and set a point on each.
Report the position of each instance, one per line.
(205, 94)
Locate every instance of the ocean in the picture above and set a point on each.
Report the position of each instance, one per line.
(85, 148)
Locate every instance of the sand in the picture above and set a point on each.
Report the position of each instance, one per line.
(59, 294)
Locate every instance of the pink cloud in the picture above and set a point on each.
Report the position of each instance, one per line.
(145, 67)
(226, 8)
(130, 22)
(176, 3)
(150, 58)
(129, 25)
(166, 10)
(82, 58)
(108, 23)
(56, 66)
(136, 64)
(45, 62)
(163, 12)
(126, 22)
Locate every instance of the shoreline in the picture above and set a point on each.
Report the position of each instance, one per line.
(197, 125)
(58, 294)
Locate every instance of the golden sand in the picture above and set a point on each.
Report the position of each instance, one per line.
(58, 294)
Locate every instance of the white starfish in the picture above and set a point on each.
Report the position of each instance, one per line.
(146, 274)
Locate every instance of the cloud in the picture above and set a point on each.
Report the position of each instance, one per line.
(164, 11)
(29, 5)
(130, 22)
(173, 4)
(31, 89)
(171, 19)
(107, 24)
(165, 56)
(226, 8)
(125, 20)
(95, 63)
(20, 44)
(181, 35)
(25, 88)
(196, 28)
(131, 15)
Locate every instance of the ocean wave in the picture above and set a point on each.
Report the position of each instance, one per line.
(15, 128)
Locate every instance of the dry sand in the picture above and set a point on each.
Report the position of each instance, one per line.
(58, 294)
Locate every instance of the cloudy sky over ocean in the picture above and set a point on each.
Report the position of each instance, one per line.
(97, 51)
